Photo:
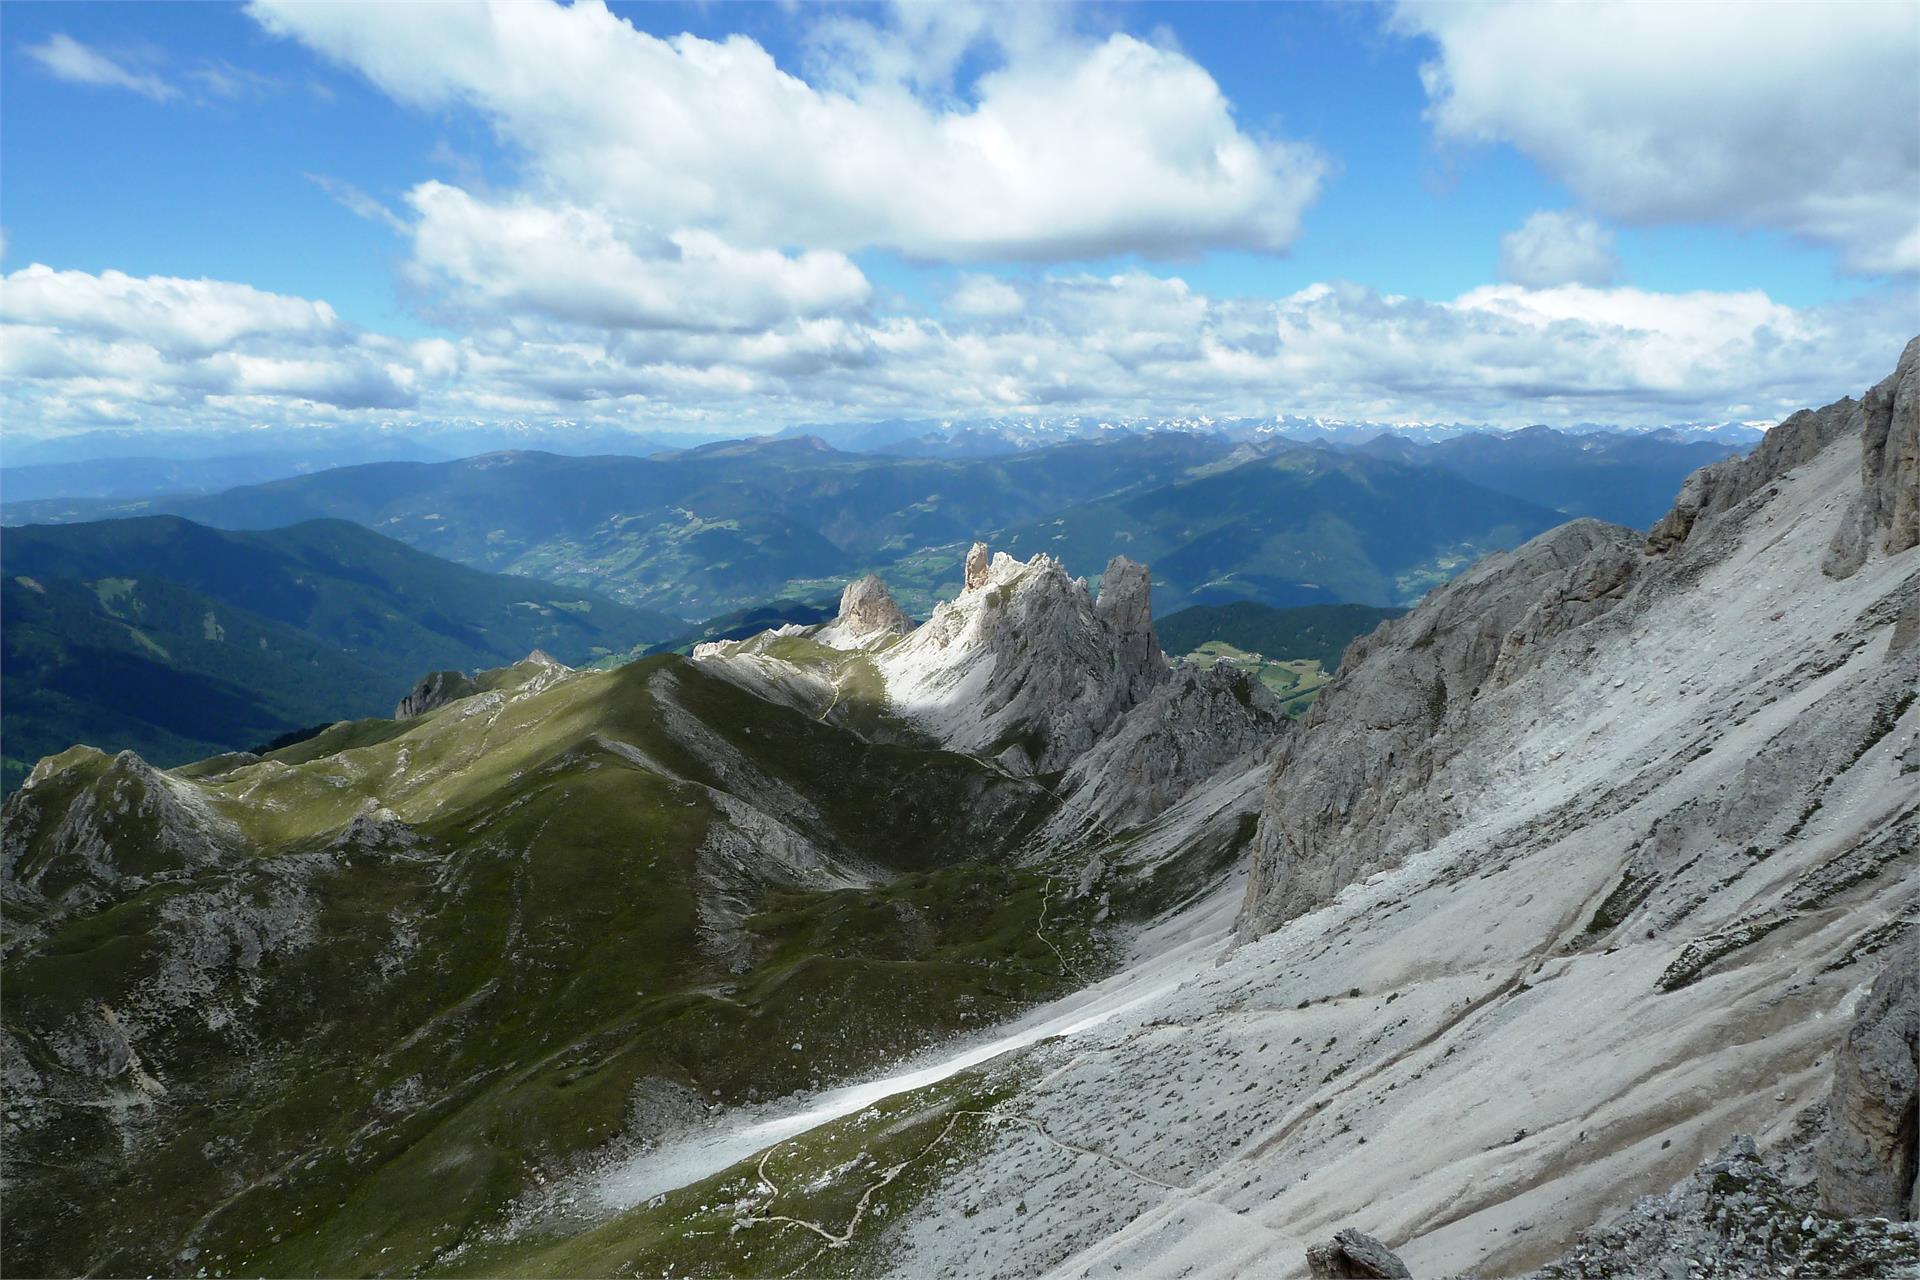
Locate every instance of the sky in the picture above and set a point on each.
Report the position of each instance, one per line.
(742, 217)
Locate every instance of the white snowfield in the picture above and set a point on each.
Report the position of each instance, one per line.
(1444, 1057)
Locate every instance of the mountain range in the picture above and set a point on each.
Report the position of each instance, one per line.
(701, 532)
(998, 943)
(179, 641)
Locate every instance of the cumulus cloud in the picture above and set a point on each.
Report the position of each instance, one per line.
(576, 265)
(985, 298)
(1067, 148)
(1791, 115)
(79, 349)
(77, 63)
(1554, 247)
(72, 338)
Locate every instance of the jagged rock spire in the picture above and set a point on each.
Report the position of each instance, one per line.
(1126, 605)
(976, 567)
(867, 613)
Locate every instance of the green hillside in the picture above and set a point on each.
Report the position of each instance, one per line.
(1318, 632)
(478, 945)
(178, 641)
(1300, 526)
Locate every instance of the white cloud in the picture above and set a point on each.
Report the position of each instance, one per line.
(76, 63)
(79, 349)
(1554, 247)
(1791, 115)
(71, 337)
(575, 265)
(1067, 148)
(359, 203)
(985, 298)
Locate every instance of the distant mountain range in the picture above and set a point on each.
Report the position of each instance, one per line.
(179, 641)
(706, 531)
(987, 437)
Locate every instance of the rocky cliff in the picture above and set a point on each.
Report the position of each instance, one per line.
(1603, 855)
(1419, 729)
(867, 616)
(1025, 666)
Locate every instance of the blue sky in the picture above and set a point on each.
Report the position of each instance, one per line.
(286, 150)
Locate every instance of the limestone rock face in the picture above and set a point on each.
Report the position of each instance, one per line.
(1416, 736)
(1886, 515)
(1717, 489)
(1023, 667)
(1868, 1161)
(1192, 726)
(868, 616)
(1353, 791)
(976, 572)
(436, 689)
(1354, 1255)
(1126, 606)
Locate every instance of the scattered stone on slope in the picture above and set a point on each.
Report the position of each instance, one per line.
(436, 689)
(1868, 1160)
(1735, 1216)
(868, 615)
(1886, 514)
(1354, 1255)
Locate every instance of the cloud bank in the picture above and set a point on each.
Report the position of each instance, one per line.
(1788, 115)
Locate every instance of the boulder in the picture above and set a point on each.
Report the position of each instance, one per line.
(1354, 1255)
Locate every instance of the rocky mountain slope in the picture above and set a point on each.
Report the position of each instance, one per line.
(1598, 859)
(1577, 871)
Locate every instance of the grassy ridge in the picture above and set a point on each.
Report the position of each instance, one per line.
(371, 1043)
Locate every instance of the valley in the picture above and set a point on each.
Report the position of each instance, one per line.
(960, 641)
(1104, 965)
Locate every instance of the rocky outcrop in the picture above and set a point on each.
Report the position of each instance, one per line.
(1886, 514)
(868, 616)
(1736, 1216)
(1188, 729)
(1024, 667)
(1868, 1160)
(976, 567)
(1715, 490)
(1126, 606)
(1406, 745)
(1354, 1255)
(436, 689)
(86, 824)
(1353, 791)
